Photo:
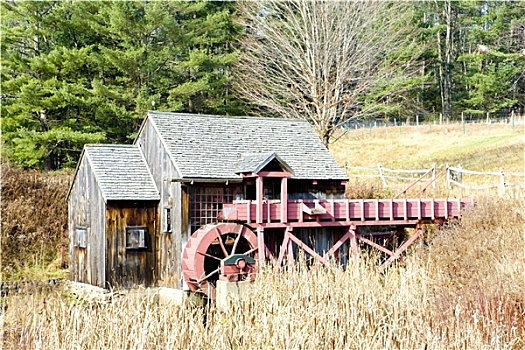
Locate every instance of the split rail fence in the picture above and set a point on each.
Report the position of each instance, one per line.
(455, 177)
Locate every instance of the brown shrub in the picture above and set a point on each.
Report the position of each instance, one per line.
(478, 266)
(34, 219)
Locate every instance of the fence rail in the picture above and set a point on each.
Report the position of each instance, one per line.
(437, 119)
(454, 176)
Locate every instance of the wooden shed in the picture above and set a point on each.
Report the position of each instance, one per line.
(185, 168)
(113, 218)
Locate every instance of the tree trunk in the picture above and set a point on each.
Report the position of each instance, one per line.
(448, 61)
(326, 139)
(445, 58)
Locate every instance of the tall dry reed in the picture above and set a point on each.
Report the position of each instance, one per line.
(463, 289)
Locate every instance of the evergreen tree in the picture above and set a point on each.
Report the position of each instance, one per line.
(78, 72)
(494, 65)
(45, 94)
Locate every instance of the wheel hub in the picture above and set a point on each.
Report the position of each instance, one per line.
(225, 251)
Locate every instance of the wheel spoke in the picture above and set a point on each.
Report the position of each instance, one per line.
(250, 251)
(208, 275)
(236, 242)
(208, 255)
(221, 243)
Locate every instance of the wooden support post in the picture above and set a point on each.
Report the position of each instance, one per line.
(447, 167)
(336, 246)
(502, 181)
(353, 244)
(382, 175)
(463, 123)
(304, 247)
(373, 244)
(261, 245)
(284, 200)
(284, 248)
(401, 249)
(434, 175)
(260, 194)
(289, 250)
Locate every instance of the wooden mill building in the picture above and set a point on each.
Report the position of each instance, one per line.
(132, 208)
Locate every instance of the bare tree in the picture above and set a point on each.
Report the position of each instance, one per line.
(317, 59)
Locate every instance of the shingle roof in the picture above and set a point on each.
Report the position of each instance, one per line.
(205, 146)
(121, 172)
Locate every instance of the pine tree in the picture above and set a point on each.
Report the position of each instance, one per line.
(78, 72)
(45, 95)
(494, 66)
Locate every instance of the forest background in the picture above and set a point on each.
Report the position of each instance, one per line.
(76, 72)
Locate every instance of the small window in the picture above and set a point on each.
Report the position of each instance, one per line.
(81, 237)
(167, 213)
(136, 237)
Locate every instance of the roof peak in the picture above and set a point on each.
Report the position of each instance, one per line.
(196, 115)
(256, 162)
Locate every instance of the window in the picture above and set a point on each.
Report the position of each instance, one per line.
(136, 237)
(206, 202)
(81, 237)
(167, 220)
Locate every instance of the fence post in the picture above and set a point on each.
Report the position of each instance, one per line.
(512, 118)
(460, 174)
(463, 123)
(382, 175)
(448, 176)
(502, 180)
(434, 175)
(440, 118)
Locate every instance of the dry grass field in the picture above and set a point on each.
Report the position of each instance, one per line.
(461, 287)
(478, 147)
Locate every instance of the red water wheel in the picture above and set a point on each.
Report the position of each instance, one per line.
(210, 247)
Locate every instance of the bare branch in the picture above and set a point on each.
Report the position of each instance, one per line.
(316, 59)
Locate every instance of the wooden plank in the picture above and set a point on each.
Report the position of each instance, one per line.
(284, 200)
(260, 193)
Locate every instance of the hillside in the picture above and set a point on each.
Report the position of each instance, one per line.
(479, 147)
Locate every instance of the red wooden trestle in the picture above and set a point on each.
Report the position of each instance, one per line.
(290, 214)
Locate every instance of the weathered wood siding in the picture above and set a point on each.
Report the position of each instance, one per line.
(128, 267)
(169, 244)
(87, 209)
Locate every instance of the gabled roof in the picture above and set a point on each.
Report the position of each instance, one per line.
(121, 172)
(209, 147)
(255, 162)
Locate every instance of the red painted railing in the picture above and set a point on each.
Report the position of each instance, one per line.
(336, 212)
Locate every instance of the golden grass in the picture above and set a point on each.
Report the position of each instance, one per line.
(463, 289)
(482, 147)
